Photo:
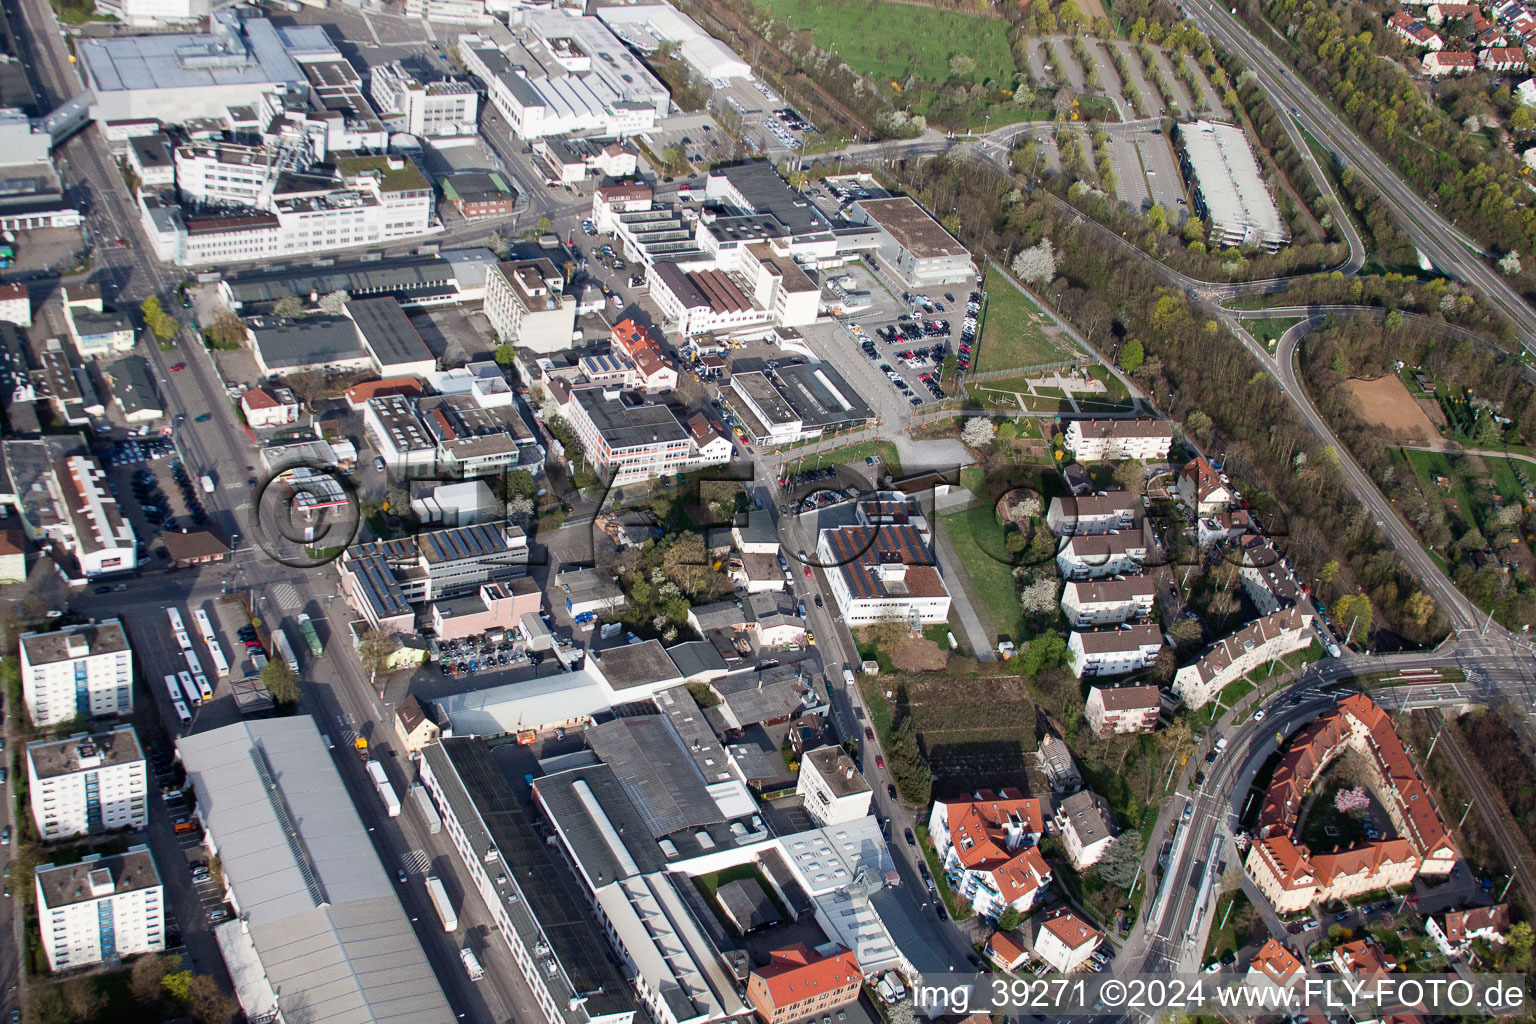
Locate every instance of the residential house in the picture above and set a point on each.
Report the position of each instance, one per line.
(1110, 652)
(1104, 554)
(1086, 827)
(1363, 957)
(414, 725)
(1501, 59)
(1439, 63)
(1263, 640)
(1454, 931)
(1107, 602)
(1414, 32)
(1007, 951)
(266, 407)
(1103, 440)
(99, 909)
(1064, 940)
(1274, 966)
(1107, 512)
(1112, 710)
(987, 847)
(1202, 488)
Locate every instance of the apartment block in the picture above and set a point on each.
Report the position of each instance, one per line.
(100, 909)
(1086, 826)
(1106, 440)
(1229, 659)
(88, 783)
(525, 302)
(1105, 554)
(1111, 710)
(832, 788)
(79, 671)
(1112, 652)
(987, 847)
(1107, 602)
(1106, 512)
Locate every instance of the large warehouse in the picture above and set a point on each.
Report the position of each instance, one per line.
(913, 245)
(1228, 186)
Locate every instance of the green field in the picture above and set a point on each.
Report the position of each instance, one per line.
(1013, 334)
(1463, 489)
(910, 41)
(974, 533)
(1269, 329)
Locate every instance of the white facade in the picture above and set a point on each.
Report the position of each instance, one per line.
(1273, 636)
(831, 787)
(427, 110)
(87, 784)
(100, 909)
(1111, 652)
(893, 577)
(633, 444)
(1091, 514)
(16, 305)
(91, 526)
(1086, 826)
(77, 671)
(525, 302)
(1229, 188)
(1105, 439)
(1100, 555)
(1107, 602)
(1065, 940)
(225, 174)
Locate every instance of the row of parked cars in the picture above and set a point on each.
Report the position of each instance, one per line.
(128, 453)
(188, 493)
(968, 332)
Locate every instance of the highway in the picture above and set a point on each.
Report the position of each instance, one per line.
(1452, 252)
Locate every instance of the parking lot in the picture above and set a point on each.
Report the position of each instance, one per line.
(910, 349)
(702, 141)
(1147, 173)
(771, 126)
(152, 489)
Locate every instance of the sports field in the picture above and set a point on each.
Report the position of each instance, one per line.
(910, 41)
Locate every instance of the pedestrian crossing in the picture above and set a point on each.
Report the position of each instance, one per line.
(416, 862)
(287, 597)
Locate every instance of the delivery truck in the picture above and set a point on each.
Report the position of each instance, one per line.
(440, 901)
(310, 636)
(423, 802)
(471, 964)
(386, 791)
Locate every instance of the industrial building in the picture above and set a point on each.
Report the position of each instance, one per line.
(794, 401)
(912, 245)
(891, 574)
(65, 504)
(383, 579)
(87, 783)
(100, 909)
(645, 27)
(319, 933)
(430, 279)
(431, 109)
(1228, 187)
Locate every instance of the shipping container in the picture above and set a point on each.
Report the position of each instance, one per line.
(386, 791)
(423, 801)
(440, 901)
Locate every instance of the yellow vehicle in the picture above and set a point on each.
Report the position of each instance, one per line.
(810, 638)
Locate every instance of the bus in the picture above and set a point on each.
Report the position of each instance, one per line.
(192, 662)
(201, 617)
(176, 623)
(182, 640)
(182, 713)
(172, 689)
(189, 688)
(203, 689)
(220, 662)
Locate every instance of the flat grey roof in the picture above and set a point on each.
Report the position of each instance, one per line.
(387, 331)
(52, 758)
(323, 915)
(101, 638)
(746, 903)
(628, 427)
(821, 396)
(312, 341)
(648, 757)
(913, 227)
(250, 54)
(636, 665)
(837, 770)
(409, 279)
(566, 804)
(72, 883)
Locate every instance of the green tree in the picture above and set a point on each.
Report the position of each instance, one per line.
(909, 769)
(206, 1004)
(179, 985)
(1329, 575)
(282, 681)
(542, 226)
(148, 978)
(1519, 942)
(161, 324)
(1521, 120)
(1045, 651)
(520, 483)
(1131, 475)
(1353, 614)
(505, 355)
(1132, 356)
(374, 649)
(1119, 862)
(1008, 920)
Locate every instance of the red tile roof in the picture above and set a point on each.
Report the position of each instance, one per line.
(1071, 929)
(1462, 924)
(357, 394)
(1274, 960)
(797, 973)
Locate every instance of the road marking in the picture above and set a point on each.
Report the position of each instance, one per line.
(416, 862)
(287, 597)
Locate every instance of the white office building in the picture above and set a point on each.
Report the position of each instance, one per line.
(892, 575)
(525, 302)
(1228, 187)
(87, 783)
(100, 910)
(424, 109)
(832, 788)
(79, 671)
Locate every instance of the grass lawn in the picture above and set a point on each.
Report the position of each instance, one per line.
(884, 450)
(708, 884)
(1231, 937)
(974, 533)
(912, 40)
(1230, 695)
(1269, 330)
(1013, 331)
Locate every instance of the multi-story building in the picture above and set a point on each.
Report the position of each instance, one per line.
(1088, 603)
(1112, 710)
(477, 194)
(226, 174)
(94, 330)
(525, 302)
(1091, 556)
(1274, 966)
(1266, 576)
(1104, 440)
(653, 371)
(87, 783)
(987, 847)
(1202, 488)
(100, 909)
(1064, 940)
(266, 407)
(383, 579)
(1109, 512)
(1288, 873)
(573, 158)
(427, 109)
(890, 575)
(1273, 636)
(1111, 652)
(912, 245)
(79, 671)
(1086, 826)
(16, 304)
(1228, 187)
(798, 983)
(831, 787)
(1362, 957)
(632, 442)
(1454, 931)
(398, 435)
